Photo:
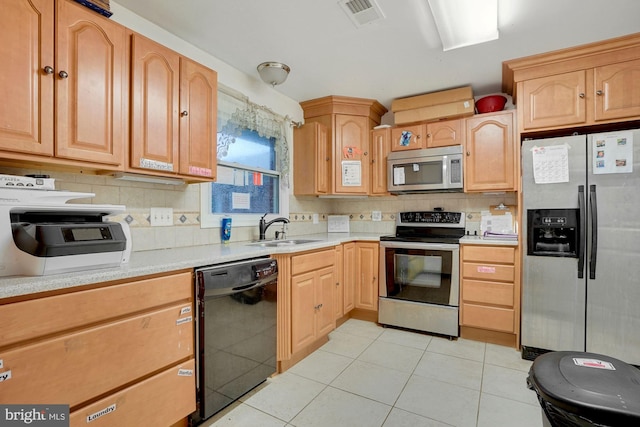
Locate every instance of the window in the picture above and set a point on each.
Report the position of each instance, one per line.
(253, 161)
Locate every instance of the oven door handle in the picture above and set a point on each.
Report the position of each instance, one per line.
(427, 246)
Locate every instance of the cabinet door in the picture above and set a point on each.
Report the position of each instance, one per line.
(490, 153)
(303, 295)
(444, 134)
(557, 100)
(351, 136)
(311, 160)
(325, 296)
(380, 147)
(367, 268)
(350, 277)
(198, 123)
(154, 106)
(90, 80)
(408, 137)
(617, 91)
(26, 90)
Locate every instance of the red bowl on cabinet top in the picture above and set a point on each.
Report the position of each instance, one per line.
(490, 103)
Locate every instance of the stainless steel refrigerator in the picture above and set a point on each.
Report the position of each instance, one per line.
(581, 240)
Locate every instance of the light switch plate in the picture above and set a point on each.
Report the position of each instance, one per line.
(161, 217)
(376, 216)
(315, 218)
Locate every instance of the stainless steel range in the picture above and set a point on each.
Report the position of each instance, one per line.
(419, 272)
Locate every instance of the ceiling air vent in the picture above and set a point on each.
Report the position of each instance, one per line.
(362, 12)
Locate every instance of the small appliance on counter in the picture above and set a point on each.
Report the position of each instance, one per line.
(41, 234)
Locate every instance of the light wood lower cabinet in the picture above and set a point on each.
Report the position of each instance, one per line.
(306, 296)
(85, 345)
(156, 401)
(490, 293)
(367, 275)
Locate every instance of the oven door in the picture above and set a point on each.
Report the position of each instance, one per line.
(420, 272)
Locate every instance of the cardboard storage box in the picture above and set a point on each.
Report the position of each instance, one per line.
(449, 110)
(431, 99)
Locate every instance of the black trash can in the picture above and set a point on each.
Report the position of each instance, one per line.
(585, 389)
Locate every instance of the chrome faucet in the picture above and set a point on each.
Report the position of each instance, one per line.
(263, 225)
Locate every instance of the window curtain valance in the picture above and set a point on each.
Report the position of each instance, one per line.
(236, 113)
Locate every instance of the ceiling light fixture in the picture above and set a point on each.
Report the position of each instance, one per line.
(274, 73)
(463, 23)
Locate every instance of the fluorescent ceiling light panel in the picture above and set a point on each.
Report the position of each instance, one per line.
(465, 22)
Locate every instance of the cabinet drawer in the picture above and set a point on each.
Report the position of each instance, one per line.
(312, 261)
(487, 292)
(498, 319)
(495, 255)
(35, 318)
(157, 401)
(72, 368)
(504, 273)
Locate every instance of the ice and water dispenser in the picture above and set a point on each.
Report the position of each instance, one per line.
(553, 232)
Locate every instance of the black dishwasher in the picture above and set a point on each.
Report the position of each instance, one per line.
(236, 327)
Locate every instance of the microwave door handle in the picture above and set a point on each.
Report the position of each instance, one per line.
(446, 179)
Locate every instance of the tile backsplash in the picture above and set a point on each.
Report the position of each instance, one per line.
(139, 197)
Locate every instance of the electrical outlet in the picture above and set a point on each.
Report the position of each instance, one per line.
(315, 218)
(161, 217)
(376, 216)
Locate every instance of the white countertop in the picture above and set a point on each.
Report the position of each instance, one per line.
(167, 260)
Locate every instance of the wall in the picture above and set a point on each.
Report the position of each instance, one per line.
(185, 199)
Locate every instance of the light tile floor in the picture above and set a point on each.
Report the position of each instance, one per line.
(369, 376)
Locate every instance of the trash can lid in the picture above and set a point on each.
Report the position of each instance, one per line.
(599, 388)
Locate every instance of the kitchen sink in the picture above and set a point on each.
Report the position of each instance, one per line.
(278, 243)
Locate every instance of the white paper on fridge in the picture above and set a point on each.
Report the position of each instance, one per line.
(550, 164)
(613, 153)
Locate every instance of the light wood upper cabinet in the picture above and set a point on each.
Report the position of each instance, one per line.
(410, 137)
(26, 89)
(155, 89)
(554, 101)
(88, 71)
(490, 163)
(380, 148)
(173, 113)
(351, 161)
(198, 119)
(617, 89)
(311, 160)
(348, 122)
(592, 84)
(90, 102)
(444, 134)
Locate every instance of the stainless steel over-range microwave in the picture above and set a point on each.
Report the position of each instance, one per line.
(430, 169)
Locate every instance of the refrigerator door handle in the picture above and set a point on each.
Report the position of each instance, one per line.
(582, 229)
(593, 204)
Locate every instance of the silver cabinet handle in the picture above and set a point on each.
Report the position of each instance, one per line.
(184, 113)
(63, 74)
(48, 70)
(599, 92)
